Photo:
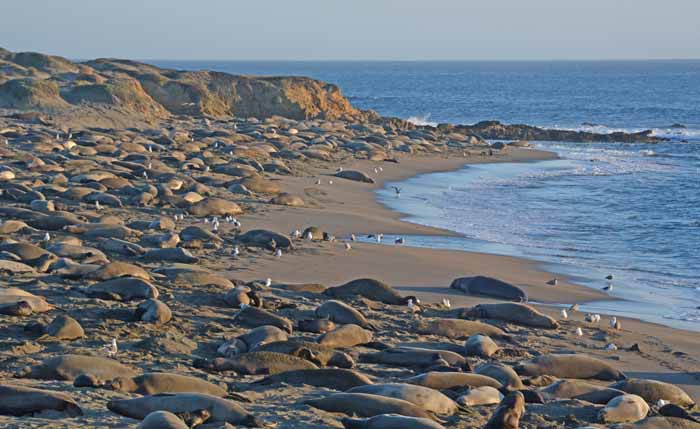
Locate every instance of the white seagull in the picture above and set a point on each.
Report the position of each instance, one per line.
(47, 237)
(111, 349)
(579, 332)
(278, 253)
(268, 282)
(348, 246)
(236, 252)
(564, 314)
(446, 303)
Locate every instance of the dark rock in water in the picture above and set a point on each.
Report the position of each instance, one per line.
(678, 126)
(494, 130)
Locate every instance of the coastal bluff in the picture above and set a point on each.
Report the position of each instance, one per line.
(118, 91)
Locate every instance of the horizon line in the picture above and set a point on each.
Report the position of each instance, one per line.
(412, 60)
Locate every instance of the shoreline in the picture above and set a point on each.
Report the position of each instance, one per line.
(346, 207)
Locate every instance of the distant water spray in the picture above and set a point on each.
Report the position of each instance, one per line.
(422, 120)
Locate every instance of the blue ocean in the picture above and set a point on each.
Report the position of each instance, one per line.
(631, 210)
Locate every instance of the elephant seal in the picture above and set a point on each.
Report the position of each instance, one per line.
(624, 409)
(488, 286)
(240, 296)
(169, 254)
(332, 378)
(115, 270)
(368, 405)
(503, 373)
(316, 353)
(453, 380)
(68, 367)
(153, 311)
(123, 289)
(318, 326)
(414, 357)
(346, 336)
(17, 309)
(508, 413)
(11, 297)
(485, 395)
(652, 391)
(21, 401)
(570, 366)
(162, 420)
(458, 329)
(424, 397)
(480, 345)
(371, 289)
(341, 313)
(252, 340)
(266, 363)
(673, 410)
(252, 317)
(153, 383)
(578, 389)
(519, 314)
(65, 328)
(222, 410)
(390, 421)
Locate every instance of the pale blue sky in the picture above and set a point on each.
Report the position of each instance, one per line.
(354, 29)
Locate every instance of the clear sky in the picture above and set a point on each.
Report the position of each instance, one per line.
(354, 29)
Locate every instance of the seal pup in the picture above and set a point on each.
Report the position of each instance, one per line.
(162, 420)
(345, 336)
(624, 409)
(508, 413)
(252, 363)
(68, 367)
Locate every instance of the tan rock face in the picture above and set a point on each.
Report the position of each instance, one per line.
(54, 84)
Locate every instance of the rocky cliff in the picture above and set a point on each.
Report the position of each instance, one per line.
(128, 89)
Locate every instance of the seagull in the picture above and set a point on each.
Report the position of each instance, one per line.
(446, 303)
(145, 174)
(58, 136)
(553, 282)
(413, 307)
(47, 237)
(348, 246)
(381, 169)
(379, 237)
(352, 237)
(339, 169)
(150, 149)
(206, 169)
(613, 322)
(216, 226)
(608, 288)
(397, 191)
(399, 240)
(150, 165)
(111, 349)
(206, 220)
(564, 314)
(318, 181)
(97, 205)
(236, 252)
(268, 282)
(376, 170)
(330, 182)
(579, 332)
(296, 233)
(278, 253)
(309, 236)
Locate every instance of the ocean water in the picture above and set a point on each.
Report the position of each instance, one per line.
(631, 210)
